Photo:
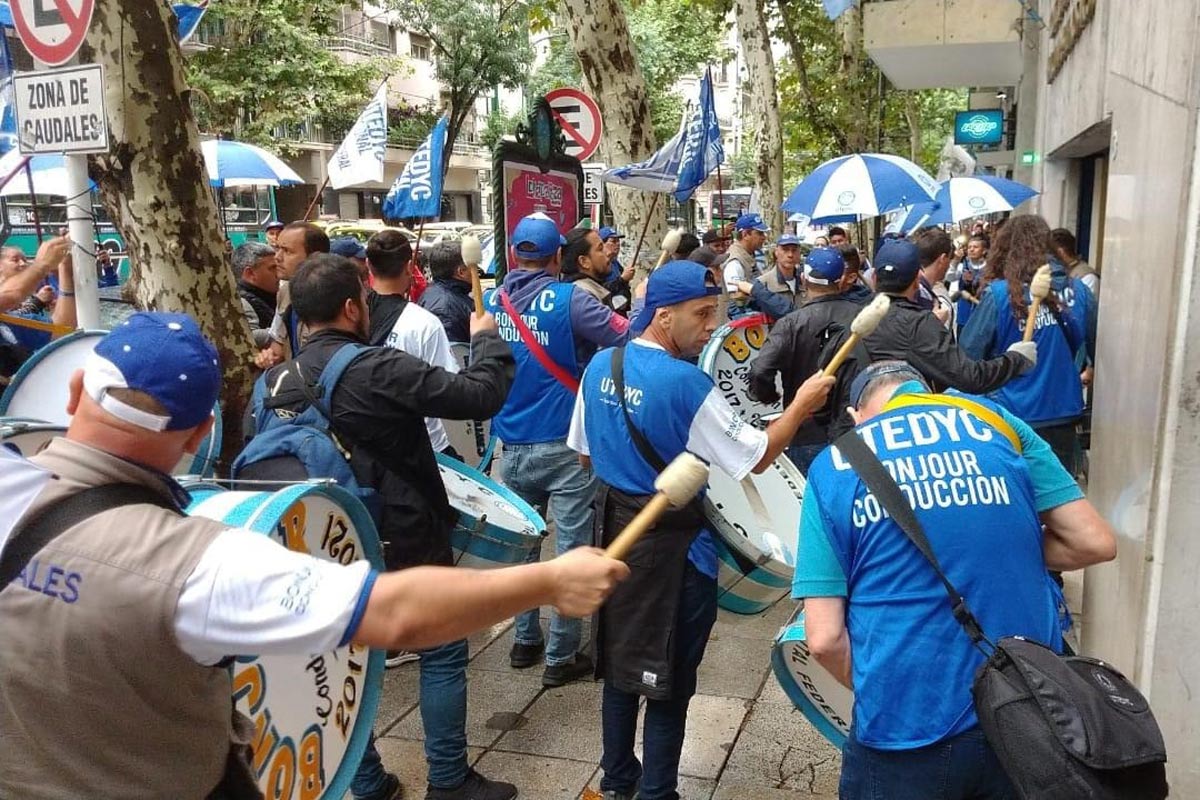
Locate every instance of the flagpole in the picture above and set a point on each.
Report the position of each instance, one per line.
(37, 219)
(645, 227)
(316, 197)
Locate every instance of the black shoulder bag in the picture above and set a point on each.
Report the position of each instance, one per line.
(1064, 727)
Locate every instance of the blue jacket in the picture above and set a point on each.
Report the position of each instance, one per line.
(450, 301)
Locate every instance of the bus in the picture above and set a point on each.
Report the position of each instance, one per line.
(728, 205)
(244, 210)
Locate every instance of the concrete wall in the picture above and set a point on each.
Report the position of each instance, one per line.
(1135, 68)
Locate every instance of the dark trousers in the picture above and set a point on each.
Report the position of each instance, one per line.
(962, 767)
(1064, 442)
(666, 720)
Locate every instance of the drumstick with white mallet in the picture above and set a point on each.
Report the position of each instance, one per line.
(964, 295)
(675, 487)
(472, 254)
(863, 325)
(1039, 290)
(670, 244)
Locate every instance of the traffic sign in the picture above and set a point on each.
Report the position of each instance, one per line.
(579, 117)
(61, 110)
(593, 184)
(52, 30)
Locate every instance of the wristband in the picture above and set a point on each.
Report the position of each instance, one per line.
(66, 294)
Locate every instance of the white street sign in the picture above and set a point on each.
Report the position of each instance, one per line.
(593, 186)
(61, 111)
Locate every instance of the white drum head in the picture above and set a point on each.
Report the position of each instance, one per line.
(781, 489)
(41, 388)
(727, 358)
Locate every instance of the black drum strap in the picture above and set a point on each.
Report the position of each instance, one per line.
(28, 539)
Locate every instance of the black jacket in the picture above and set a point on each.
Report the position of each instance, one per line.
(261, 301)
(379, 407)
(910, 333)
(793, 351)
(450, 301)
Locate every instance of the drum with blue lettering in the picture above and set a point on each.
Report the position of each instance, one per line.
(495, 527)
(758, 529)
(41, 388)
(317, 710)
(472, 439)
(727, 358)
(826, 703)
(27, 437)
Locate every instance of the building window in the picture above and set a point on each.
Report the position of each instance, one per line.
(381, 35)
(419, 47)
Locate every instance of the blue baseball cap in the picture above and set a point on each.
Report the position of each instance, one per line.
(823, 266)
(607, 233)
(672, 283)
(788, 240)
(902, 369)
(536, 236)
(751, 222)
(164, 356)
(348, 247)
(272, 224)
(896, 265)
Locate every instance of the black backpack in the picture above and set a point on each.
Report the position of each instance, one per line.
(1065, 727)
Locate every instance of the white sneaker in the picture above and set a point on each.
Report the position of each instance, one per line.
(397, 657)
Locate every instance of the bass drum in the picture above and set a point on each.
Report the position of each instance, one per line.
(727, 358)
(495, 527)
(472, 439)
(27, 437)
(318, 709)
(816, 694)
(41, 388)
(758, 532)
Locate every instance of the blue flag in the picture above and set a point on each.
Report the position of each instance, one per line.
(702, 148)
(835, 8)
(188, 18)
(417, 191)
(8, 117)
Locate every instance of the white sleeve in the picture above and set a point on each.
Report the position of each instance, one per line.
(278, 329)
(577, 435)
(721, 437)
(733, 274)
(438, 347)
(249, 595)
(1093, 283)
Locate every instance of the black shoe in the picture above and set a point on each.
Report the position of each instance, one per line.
(562, 674)
(525, 655)
(613, 795)
(475, 787)
(393, 789)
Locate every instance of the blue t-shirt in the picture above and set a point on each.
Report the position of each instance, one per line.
(978, 501)
(677, 408)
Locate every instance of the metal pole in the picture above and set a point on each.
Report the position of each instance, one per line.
(82, 229)
(37, 218)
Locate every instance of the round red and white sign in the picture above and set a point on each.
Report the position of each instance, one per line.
(579, 117)
(52, 30)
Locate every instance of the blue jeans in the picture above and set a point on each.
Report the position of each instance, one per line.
(962, 767)
(666, 720)
(549, 473)
(443, 704)
(802, 455)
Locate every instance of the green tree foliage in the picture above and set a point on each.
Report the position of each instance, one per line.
(673, 39)
(268, 66)
(477, 46)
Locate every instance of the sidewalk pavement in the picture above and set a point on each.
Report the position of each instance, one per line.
(745, 740)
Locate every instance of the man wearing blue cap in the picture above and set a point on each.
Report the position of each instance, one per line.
(795, 346)
(351, 248)
(998, 511)
(554, 329)
(271, 230)
(778, 292)
(639, 407)
(117, 609)
(750, 234)
(619, 277)
(910, 333)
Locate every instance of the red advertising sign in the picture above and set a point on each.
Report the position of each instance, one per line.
(52, 30)
(528, 190)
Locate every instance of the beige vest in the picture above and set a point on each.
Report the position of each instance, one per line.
(770, 279)
(96, 698)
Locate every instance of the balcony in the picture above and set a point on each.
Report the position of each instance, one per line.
(929, 44)
(359, 45)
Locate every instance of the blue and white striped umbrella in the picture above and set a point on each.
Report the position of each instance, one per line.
(861, 187)
(239, 164)
(963, 198)
(49, 175)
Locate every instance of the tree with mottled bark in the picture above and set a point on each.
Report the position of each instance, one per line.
(155, 188)
(763, 109)
(599, 31)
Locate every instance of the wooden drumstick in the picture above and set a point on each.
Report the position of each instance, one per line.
(1039, 290)
(472, 253)
(670, 244)
(864, 325)
(676, 486)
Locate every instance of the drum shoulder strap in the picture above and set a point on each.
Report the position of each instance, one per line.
(971, 407)
(29, 537)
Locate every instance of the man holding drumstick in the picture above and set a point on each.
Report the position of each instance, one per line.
(652, 635)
